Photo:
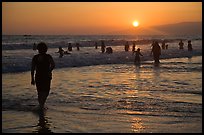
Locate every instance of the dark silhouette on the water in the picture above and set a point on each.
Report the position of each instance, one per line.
(127, 46)
(61, 52)
(190, 48)
(137, 56)
(156, 50)
(34, 47)
(69, 47)
(96, 45)
(43, 64)
(181, 44)
(103, 46)
(77, 45)
(109, 50)
(133, 47)
(163, 45)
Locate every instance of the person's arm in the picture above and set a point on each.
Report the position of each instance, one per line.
(52, 63)
(141, 54)
(32, 72)
(159, 51)
(133, 52)
(151, 51)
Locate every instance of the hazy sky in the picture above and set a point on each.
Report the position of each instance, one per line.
(92, 17)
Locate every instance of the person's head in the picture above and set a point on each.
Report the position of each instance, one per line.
(60, 48)
(42, 47)
(189, 41)
(138, 49)
(156, 43)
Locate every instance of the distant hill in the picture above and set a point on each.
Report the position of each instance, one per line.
(183, 28)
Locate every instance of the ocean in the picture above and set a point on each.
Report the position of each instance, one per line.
(93, 92)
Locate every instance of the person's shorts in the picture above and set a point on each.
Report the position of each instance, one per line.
(43, 85)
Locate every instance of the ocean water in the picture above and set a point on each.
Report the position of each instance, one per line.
(93, 92)
(17, 51)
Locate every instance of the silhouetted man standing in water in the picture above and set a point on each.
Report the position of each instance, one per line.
(156, 50)
(43, 64)
(103, 46)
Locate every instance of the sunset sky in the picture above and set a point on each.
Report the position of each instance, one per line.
(93, 17)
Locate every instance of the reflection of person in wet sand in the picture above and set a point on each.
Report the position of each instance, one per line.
(43, 124)
(43, 64)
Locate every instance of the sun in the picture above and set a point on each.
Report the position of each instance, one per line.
(135, 23)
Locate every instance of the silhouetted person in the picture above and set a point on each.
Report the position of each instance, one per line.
(152, 43)
(34, 46)
(137, 56)
(96, 45)
(69, 47)
(167, 46)
(189, 45)
(61, 52)
(181, 44)
(127, 46)
(43, 64)
(133, 48)
(156, 50)
(77, 45)
(103, 46)
(163, 45)
(109, 50)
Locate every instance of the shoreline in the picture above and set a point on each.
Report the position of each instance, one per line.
(105, 63)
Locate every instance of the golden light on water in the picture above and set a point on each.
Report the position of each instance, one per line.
(137, 125)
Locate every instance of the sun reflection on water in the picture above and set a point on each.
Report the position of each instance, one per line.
(137, 125)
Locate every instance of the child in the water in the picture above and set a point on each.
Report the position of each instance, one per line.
(137, 56)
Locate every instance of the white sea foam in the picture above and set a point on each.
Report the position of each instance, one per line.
(18, 59)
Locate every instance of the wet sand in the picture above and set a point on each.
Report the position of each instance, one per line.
(118, 98)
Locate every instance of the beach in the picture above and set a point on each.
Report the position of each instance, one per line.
(94, 92)
(129, 67)
(121, 98)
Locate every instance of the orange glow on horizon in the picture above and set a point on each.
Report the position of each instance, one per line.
(92, 17)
